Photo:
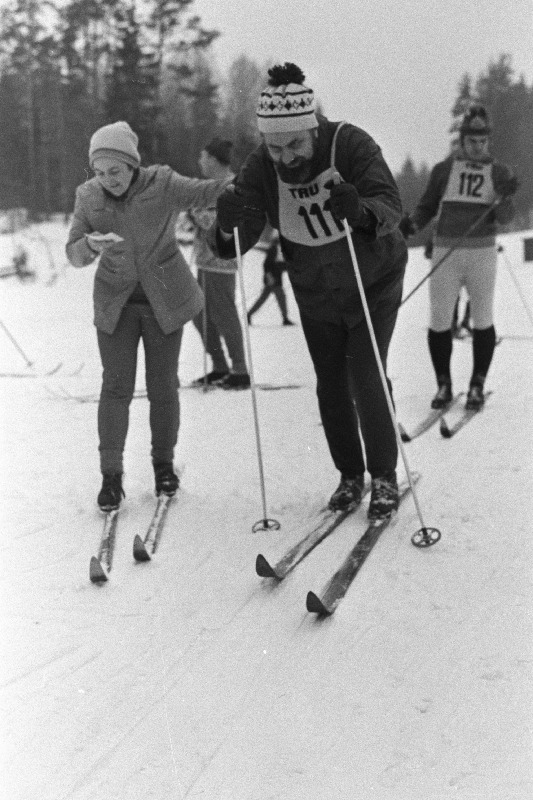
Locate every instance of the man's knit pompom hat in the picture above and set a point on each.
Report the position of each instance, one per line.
(286, 104)
(117, 140)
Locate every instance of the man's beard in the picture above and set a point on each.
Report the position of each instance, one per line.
(301, 173)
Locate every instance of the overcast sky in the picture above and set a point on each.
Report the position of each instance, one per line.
(390, 66)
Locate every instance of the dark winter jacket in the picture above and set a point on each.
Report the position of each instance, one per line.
(460, 191)
(322, 273)
(148, 261)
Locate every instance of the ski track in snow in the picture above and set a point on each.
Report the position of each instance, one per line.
(189, 676)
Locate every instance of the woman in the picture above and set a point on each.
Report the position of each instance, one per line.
(461, 193)
(143, 289)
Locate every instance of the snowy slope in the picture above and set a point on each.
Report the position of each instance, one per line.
(190, 677)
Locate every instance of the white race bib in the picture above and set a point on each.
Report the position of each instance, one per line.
(470, 182)
(304, 212)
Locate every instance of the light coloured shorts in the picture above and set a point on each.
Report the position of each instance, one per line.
(473, 268)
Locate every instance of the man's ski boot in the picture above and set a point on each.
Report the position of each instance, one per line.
(111, 493)
(444, 393)
(236, 380)
(384, 497)
(475, 398)
(348, 493)
(166, 480)
(212, 378)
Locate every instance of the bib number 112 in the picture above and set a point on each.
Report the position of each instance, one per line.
(470, 184)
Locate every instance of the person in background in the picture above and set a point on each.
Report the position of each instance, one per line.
(290, 180)
(143, 289)
(273, 267)
(460, 190)
(217, 277)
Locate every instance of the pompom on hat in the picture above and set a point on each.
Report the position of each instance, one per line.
(286, 104)
(475, 122)
(118, 141)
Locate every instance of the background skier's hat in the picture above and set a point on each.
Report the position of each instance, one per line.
(220, 149)
(475, 122)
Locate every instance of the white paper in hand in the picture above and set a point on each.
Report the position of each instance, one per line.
(105, 237)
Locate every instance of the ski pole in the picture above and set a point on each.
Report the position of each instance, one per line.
(264, 524)
(204, 334)
(425, 536)
(517, 285)
(452, 249)
(17, 346)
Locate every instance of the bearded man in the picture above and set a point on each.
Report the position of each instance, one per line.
(307, 175)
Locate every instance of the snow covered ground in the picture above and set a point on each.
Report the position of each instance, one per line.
(190, 677)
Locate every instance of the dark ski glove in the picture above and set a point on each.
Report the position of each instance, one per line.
(505, 187)
(407, 226)
(345, 203)
(235, 208)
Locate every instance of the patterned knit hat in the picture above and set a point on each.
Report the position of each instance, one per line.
(475, 122)
(220, 149)
(117, 140)
(286, 105)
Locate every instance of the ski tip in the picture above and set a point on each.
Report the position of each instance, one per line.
(404, 436)
(445, 432)
(263, 568)
(315, 605)
(96, 571)
(55, 369)
(140, 553)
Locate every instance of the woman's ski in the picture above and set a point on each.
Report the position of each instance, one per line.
(101, 565)
(144, 549)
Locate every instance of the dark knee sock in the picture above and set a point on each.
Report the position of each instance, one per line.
(440, 350)
(483, 344)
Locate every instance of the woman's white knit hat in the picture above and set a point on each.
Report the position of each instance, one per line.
(117, 140)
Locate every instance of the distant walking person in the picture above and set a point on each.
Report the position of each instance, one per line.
(217, 278)
(460, 191)
(273, 267)
(143, 289)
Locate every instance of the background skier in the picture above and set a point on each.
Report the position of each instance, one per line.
(217, 279)
(460, 190)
